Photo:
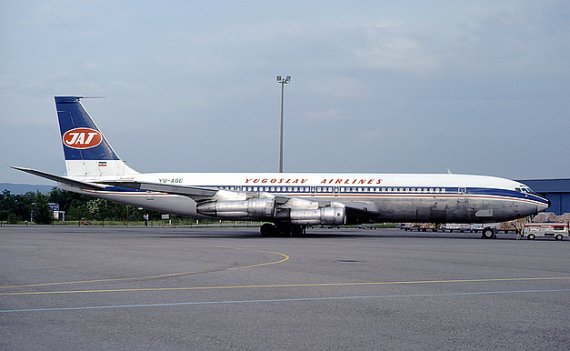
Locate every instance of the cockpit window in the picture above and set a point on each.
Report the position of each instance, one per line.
(528, 190)
(525, 190)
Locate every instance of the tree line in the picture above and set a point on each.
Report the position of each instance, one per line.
(34, 207)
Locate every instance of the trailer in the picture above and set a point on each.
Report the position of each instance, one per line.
(420, 227)
(487, 230)
(557, 231)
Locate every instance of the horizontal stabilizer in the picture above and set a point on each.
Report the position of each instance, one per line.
(60, 179)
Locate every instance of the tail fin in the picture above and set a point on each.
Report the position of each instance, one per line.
(87, 152)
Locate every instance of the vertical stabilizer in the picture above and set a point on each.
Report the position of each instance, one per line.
(87, 152)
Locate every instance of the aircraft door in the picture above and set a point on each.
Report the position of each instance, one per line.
(462, 195)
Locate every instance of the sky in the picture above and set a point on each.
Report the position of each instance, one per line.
(476, 87)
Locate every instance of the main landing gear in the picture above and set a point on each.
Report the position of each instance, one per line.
(281, 229)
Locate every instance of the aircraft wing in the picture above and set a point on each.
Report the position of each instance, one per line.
(60, 179)
(196, 193)
(361, 210)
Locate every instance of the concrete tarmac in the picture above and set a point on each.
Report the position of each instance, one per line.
(139, 288)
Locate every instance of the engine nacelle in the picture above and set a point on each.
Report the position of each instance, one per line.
(250, 209)
(326, 215)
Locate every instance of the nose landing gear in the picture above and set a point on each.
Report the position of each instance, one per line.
(488, 233)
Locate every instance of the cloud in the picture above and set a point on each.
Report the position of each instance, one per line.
(389, 48)
(327, 115)
(407, 77)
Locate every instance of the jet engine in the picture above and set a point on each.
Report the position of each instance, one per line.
(251, 208)
(325, 215)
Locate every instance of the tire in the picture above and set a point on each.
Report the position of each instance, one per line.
(297, 230)
(559, 237)
(284, 229)
(531, 237)
(268, 229)
(487, 233)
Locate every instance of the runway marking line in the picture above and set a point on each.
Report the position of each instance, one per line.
(284, 258)
(297, 299)
(282, 286)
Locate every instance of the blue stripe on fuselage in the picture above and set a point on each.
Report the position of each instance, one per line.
(504, 192)
(348, 191)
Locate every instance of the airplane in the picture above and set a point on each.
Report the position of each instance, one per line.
(285, 202)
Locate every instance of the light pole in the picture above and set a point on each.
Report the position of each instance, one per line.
(282, 80)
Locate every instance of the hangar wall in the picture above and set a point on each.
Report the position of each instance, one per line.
(555, 190)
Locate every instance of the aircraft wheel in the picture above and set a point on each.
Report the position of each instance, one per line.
(559, 237)
(488, 233)
(297, 230)
(268, 229)
(284, 229)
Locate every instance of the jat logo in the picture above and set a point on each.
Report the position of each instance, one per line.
(82, 138)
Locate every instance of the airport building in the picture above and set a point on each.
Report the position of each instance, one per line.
(555, 190)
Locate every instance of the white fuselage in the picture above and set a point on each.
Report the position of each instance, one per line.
(383, 197)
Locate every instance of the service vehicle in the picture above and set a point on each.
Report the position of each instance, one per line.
(557, 231)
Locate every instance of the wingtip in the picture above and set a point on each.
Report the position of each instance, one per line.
(20, 168)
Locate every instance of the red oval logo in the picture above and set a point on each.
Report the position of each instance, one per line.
(82, 138)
